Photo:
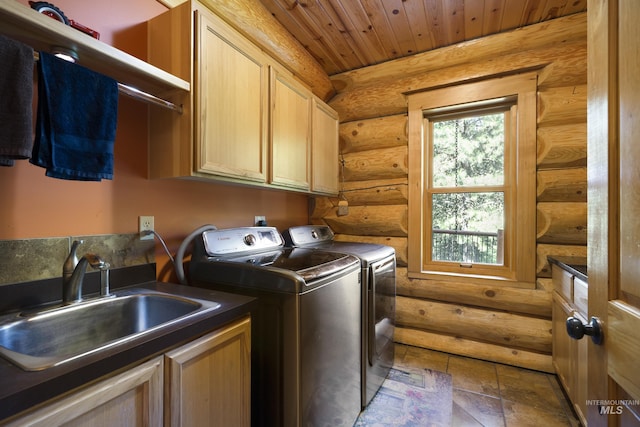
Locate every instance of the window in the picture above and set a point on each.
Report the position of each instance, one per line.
(472, 153)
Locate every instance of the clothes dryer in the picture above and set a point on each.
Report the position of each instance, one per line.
(378, 264)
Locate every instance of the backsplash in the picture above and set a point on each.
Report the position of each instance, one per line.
(35, 259)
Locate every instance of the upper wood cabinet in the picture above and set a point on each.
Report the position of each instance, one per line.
(231, 77)
(290, 132)
(247, 119)
(324, 149)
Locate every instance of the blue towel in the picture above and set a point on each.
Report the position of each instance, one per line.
(76, 121)
(16, 97)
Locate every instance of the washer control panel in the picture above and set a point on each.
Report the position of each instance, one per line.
(242, 239)
(307, 234)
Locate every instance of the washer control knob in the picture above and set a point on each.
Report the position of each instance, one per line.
(249, 240)
(314, 234)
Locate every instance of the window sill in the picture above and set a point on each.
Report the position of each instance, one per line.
(471, 278)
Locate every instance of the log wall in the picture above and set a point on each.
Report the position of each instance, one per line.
(510, 325)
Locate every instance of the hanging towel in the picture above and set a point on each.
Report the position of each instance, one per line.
(76, 121)
(16, 94)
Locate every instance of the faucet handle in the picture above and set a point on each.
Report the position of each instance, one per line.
(96, 261)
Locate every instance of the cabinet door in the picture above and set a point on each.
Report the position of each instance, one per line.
(290, 132)
(231, 103)
(563, 346)
(210, 379)
(581, 396)
(133, 398)
(324, 150)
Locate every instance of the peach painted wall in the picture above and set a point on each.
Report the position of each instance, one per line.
(32, 205)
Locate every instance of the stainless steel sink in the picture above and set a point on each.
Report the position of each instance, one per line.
(42, 339)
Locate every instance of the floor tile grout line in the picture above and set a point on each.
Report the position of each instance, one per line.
(504, 415)
(470, 415)
(565, 405)
(478, 393)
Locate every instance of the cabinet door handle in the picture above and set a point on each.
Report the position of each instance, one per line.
(576, 329)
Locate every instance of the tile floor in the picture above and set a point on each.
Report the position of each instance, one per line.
(491, 394)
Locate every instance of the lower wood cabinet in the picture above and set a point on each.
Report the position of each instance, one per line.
(570, 355)
(206, 382)
(209, 380)
(132, 398)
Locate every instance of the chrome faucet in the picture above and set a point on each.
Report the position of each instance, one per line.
(71, 262)
(73, 272)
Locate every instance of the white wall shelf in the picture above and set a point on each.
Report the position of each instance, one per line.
(39, 31)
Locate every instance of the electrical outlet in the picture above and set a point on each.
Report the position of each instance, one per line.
(259, 220)
(145, 224)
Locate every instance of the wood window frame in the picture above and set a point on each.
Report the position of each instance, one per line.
(520, 220)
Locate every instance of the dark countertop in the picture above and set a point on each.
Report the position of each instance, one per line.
(574, 265)
(20, 390)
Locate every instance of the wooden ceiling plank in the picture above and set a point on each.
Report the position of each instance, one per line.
(553, 9)
(333, 32)
(382, 27)
(453, 11)
(532, 12)
(493, 16)
(473, 19)
(307, 36)
(400, 26)
(435, 22)
(307, 14)
(512, 15)
(355, 21)
(417, 17)
(575, 6)
(342, 27)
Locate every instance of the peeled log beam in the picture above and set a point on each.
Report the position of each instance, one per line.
(495, 327)
(255, 22)
(562, 223)
(478, 350)
(568, 71)
(361, 193)
(376, 192)
(544, 284)
(562, 146)
(548, 33)
(543, 269)
(534, 302)
(397, 243)
(563, 105)
(389, 220)
(388, 97)
(562, 185)
(319, 207)
(376, 164)
(382, 132)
